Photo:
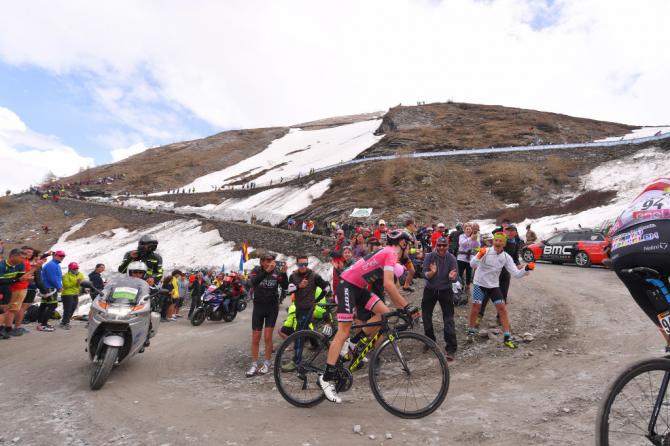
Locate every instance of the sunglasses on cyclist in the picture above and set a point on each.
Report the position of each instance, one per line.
(441, 245)
(303, 264)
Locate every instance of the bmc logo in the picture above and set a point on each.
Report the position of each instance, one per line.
(557, 250)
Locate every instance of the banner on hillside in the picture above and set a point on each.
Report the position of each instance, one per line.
(361, 212)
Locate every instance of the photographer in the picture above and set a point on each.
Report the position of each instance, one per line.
(265, 281)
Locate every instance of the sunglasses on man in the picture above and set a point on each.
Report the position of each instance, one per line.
(441, 245)
(303, 263)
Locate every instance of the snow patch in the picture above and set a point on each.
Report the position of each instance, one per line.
(638, 133)
(301, 151)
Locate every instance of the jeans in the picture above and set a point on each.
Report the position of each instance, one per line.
(303, 319)
(69, 305)
(446, 300)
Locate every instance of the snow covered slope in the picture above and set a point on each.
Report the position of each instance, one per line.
(296, 153)
(628, 176)
(182, 244)
(638, 133)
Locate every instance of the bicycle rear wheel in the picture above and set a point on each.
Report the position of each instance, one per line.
(636, 410)
(409, 377)
(298, 363)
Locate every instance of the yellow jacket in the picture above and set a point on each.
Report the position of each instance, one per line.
(71, 283)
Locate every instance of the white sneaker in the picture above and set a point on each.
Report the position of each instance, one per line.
(264, 368)
(252, 370)
(173, 318)
(329, 390)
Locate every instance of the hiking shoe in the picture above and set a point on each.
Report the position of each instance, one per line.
(65, 327)
(509, 343)
(329, 390)
(23, 330)
(288, 367)
(15, 332)
(264, 368)
(252, 370)
(4, 334)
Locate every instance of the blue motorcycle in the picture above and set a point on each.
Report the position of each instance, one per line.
(215, 305)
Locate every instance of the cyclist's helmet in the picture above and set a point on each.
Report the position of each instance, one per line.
(394, 237)
(137, 267)
(148, 243)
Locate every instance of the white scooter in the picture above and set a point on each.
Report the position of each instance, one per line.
(120, 326)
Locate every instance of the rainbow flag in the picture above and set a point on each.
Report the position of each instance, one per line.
(244, 255)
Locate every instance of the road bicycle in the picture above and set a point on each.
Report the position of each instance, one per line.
(636, 408)
(408, 373)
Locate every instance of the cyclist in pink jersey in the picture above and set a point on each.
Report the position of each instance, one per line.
(377, 270)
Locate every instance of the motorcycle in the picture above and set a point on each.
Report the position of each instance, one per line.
(217, 304)
(120, 326)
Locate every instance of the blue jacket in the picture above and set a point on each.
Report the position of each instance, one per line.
(52, 276)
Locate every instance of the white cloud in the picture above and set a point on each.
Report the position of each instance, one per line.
(255, 63)
(123, 153)
(27, 157)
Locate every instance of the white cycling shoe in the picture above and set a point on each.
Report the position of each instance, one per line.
(329, 390)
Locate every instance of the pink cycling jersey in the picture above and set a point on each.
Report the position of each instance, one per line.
(652, 204)
(370, 268)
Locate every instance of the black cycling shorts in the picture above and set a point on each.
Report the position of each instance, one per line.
(646, 244)
(264, 315)
(351, 298)
(30, 297)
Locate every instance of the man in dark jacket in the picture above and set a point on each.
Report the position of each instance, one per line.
(96, 279)
(145, 252)
(453, 239)
(440, 270)
(265, 281)
(197, 289)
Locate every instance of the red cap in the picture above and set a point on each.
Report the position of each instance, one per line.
(59, 253)
(73, 266)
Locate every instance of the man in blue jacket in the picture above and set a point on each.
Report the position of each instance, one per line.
(52, 276)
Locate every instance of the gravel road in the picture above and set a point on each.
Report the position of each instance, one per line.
(189, 386)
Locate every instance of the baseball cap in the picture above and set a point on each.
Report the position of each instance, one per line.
(442, 241)
(382, 222)
(511, 227)
(268, 256)
(59, 253)
(440, 225)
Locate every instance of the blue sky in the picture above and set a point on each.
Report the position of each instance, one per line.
(98, 81)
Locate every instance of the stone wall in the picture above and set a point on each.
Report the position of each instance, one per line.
(258, 236)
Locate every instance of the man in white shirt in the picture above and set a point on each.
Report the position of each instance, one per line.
(489, 263)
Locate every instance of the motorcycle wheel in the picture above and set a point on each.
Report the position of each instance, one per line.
(229, 317)
(198, 317)
(241, 305)
(102, 368)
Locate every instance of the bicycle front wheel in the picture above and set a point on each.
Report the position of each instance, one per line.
(409, 376)
(636, 410)
(299, 361)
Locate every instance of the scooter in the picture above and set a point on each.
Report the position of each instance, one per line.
(120, 326)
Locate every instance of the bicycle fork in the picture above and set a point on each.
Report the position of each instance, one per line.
(398, 353)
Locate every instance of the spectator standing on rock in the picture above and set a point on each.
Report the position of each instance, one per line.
(265, 281)
(52, 277)
(12, 271)
(531, 237)
(440, 269)
(72, 280)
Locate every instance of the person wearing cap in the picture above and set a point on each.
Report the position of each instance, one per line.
(72, 280)
(265, 281)
(380, 232)
(440, 231)
(440, 270)
(488, 264)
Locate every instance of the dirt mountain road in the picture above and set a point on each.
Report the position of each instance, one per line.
(189, 388)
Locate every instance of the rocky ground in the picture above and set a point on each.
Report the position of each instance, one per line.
(189, 387)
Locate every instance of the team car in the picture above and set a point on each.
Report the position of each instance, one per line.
(584, 247)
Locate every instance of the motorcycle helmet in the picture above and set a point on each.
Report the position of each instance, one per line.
(136, 267)
(147, 243)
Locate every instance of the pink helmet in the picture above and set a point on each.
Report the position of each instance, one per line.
(398, 270)
(73, 266)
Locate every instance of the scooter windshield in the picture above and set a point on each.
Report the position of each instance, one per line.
(124, 294)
